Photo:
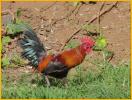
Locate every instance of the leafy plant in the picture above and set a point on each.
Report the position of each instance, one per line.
(18, 12)
(100, 43)
(16, 25)
(17, 60)
(107, 55)
(6, 40)
(14, 28)
(14, 61)
(5, 61)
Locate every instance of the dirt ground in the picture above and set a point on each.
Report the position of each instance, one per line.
(54, 22)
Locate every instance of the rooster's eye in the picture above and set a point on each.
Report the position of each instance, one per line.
(87, 47)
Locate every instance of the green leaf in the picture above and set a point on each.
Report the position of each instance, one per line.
(6, 40)
(17, 60)
(5, 61)
(12, 28)
(18, 21)
(18, 12)
(108, 54)
(100, 43)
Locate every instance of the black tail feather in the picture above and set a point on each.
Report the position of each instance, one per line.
(33, 49)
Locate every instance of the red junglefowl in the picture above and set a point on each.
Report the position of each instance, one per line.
(55, 65)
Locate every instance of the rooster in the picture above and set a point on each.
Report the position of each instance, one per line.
(54, 65)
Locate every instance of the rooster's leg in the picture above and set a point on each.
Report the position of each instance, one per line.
(65, 81)
(47, 80)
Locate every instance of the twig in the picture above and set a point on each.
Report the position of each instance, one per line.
(78, 9)
(5, 12)
(49, 6)
(88, 22)
(68, 15)
(99, 16)
(70, 37)
(102, 13)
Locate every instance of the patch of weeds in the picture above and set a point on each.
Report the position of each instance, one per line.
(5, 61)
(100, 45)
(16, 25)
(6, 40)
(13, 28)
(107, 55)
(16, 60)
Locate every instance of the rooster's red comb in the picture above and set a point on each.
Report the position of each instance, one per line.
(88, 40)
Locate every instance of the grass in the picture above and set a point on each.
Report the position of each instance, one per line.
(108, 82)
(13, 61)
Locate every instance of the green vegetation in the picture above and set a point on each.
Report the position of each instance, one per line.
(16, 25)
(13, 61)
(6, 40)
(100, 43)
(13, 28)
(107, 81)
(5, 61)
(17, 60)
(18, 12)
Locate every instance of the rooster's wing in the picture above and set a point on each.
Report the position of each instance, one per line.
(56, 69)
